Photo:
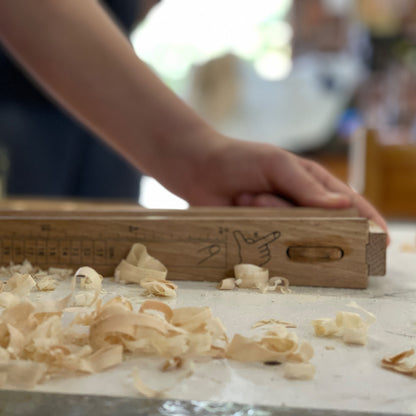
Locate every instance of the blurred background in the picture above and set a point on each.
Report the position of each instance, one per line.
(333, 80)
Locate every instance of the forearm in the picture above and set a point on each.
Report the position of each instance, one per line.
(75, 51)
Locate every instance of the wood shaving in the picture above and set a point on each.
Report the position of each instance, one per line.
(174, 364)
(299, 371)
(27, 268)
(400, 363)
(226, 284)
(139, 265)
(20, 284)
(163, 288)
(349, 326)
(46, 283)
(280, 284)
(22, 278)
(89, 280)
(144, 389)
(250, 276)
(277, 344)
(23, 268)
(83, 299)
(34, 333)
(264, 322)
(36, 345)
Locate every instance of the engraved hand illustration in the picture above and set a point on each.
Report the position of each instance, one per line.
(255, 251)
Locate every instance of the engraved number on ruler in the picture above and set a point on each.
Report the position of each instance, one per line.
(64, 251)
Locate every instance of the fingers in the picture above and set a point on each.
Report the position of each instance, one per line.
(335, 185)
(292, 179)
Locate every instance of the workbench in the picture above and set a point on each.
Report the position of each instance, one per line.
(348, 378)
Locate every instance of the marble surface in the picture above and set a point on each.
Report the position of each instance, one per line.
(347, 378)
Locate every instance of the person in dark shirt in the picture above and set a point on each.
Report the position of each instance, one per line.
(82, 59)
(49, 153)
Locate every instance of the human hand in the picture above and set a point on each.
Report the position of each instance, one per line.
(244, 173)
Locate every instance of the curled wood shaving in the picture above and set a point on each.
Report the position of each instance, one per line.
(144, 389)
(254, 277)
(349, 326)
(281, 284)
(89, 280)
(34, 339)
(164, 288)
(400, 363)
(250, 276)
(139, 265)
(277, 344)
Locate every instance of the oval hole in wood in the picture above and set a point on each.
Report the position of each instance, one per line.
(311, 254)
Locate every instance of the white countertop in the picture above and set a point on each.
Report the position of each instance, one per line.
(347, 377)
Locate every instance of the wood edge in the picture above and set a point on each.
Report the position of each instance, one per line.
(376, 250)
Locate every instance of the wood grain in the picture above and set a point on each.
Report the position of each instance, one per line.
(196, 247)
(376, 250)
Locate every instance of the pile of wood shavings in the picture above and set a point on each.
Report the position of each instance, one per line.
(21, 279)
(35, 345)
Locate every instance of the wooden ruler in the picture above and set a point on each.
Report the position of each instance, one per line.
(310, 247)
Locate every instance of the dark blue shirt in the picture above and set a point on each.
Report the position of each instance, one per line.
(15, 86)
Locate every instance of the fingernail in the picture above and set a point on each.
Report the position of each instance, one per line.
(334, 196)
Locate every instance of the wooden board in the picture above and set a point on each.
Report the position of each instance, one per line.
(200, 244)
